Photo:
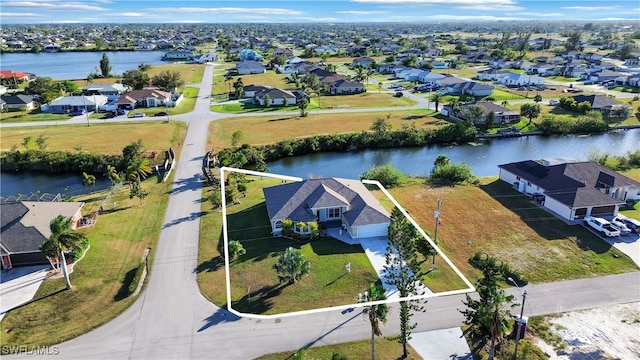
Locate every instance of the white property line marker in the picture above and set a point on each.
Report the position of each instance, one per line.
(225, 236)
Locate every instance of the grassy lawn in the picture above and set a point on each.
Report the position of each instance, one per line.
(118, 242)
(465, 72)
(386, 348)
(265, 130)
(33, 115)
(564, 79)
(100, 138)
(495, 219)
(255, 287)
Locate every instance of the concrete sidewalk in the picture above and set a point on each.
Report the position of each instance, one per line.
(19, 285)
(441, 344)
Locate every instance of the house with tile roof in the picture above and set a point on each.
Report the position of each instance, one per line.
(334, 202)
(570, 189)
(25, 226)
(148, 97)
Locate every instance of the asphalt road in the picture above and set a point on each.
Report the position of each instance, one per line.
(171, 319)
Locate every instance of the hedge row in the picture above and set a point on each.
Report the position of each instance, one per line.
(136, 278)
(256, 157)
(58, 161)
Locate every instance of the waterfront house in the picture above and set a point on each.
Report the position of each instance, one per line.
(178, 54)
(598, 102)
(501, 115)
(25, 226)
(334, 202)
(112, 91)
(9, 77)
(571, 190)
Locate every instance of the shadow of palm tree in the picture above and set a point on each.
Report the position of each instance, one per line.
(123, 292)
(259, 301)
(192, 183)
(210, 265)
(219, 317)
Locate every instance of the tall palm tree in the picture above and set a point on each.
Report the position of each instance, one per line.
(376, 314)
(436, 98)
(62, 238)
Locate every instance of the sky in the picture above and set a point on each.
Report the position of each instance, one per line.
(305, 11)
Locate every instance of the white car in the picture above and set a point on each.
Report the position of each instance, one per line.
(618, 224)
(553, 102)
(602, 226)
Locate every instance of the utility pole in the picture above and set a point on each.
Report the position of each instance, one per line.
(515, 353)
(436, 215)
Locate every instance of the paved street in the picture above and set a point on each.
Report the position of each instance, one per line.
(171, 320)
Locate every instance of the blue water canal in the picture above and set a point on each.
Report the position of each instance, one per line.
(482, 157)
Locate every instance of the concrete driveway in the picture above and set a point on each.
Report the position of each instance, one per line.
(19, 285)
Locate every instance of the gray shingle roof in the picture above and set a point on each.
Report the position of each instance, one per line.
(294, 201)
(575, 184)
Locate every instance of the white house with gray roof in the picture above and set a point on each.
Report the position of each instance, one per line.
(336, 202)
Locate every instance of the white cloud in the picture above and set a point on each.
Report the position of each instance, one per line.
(21, 15)
(536, 14)
(447, 17)
(612, 19)
(61, 5)
(495, 7)
(229, 10)
(131, 14)
(356, 12)
(439, 2)
(590, 8)
(325, 19)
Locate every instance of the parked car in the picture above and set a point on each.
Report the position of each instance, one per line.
(554, 102)
(161, 113)
(621, 226)
(602, 226)
(632, 224)
(399, 94)
(137, 115)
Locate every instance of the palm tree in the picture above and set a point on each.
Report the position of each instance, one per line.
(375, 314)
(436, 98)
(113, 174)
(62, 238)
(88, 180)
(291, 265)
(138, 169)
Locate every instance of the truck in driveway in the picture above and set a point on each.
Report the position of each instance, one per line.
(602, 226)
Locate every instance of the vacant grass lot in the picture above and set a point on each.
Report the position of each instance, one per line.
(255, 288)
(100, 138)
(118, 242)
(495, 219)
(32, 115)
(386, 348)
(266, 130)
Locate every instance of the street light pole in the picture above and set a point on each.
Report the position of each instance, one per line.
(524, 297)
(436, 215)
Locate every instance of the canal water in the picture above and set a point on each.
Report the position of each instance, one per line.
(482, 157)
(77, 65)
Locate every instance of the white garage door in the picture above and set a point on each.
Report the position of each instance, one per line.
(372, 230)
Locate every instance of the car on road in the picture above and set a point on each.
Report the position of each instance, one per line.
(554, 102)
(399, 94)
(632, 224)
(602, 226)
(161, 113)
(137, 115)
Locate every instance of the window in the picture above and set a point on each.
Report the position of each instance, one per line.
(278, 224)
(334, 213)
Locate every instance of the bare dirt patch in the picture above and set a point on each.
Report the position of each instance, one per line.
(602, 333)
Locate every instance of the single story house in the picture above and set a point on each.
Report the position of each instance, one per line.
(598, 102)
(336, 202)
(470, 88)
(502, 115)
(572, 190)
(148, 97)
(429, 77)
(343, 86)
(520, 79)
(18, 102)
(25, 226)
(8, 77)
(275, 96)
(105, 89)
(251, 90)
(250, 67)
(365, 62)
(76, 104)
(178, 54)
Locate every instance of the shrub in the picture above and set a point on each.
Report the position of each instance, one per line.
(287, 226)
(386, 174)
(452, 174)
(480, 260)
(136, 278)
